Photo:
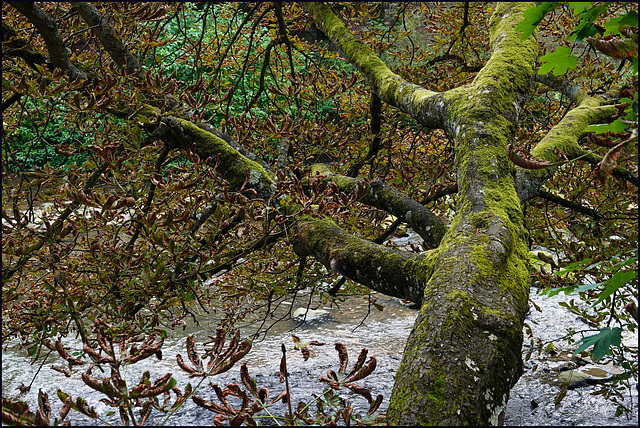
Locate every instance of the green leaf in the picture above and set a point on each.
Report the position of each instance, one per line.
(619, 265)
(618, 280)
(615, 126)
(586, 27)
(613, 25)
(579, 7)
(571, 289)
(61, 395)
(532, 18)
(601, 342)
(172, 383)
(558, 61)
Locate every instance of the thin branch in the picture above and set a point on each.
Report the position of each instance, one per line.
(375, 106)
(263, 71)
(214, 75)
(571, 205)
(387, 198)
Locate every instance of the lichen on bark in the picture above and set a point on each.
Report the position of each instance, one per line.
(392, 272)
(469, 329)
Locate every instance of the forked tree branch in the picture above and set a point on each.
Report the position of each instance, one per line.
(47, 28)
(380, 195)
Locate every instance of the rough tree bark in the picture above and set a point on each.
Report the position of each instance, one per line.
(464, 353)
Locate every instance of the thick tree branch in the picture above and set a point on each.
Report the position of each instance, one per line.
(575, 93)
(103, 31)
(47, 28)
(392, 272)
(242, 150)
(563, 138)
(236, 168)
(425, 106)
(482, 256)
(387, 198)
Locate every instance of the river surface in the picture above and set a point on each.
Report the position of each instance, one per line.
(383, 333)
(357, 325)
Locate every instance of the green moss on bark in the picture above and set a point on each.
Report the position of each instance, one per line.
(470, 324)
(233, 165)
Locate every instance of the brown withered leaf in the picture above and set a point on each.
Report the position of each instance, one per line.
(192, 353)
(44, 412)
(64, 354)
(284, 396)
(61, 370)
(263, 394)
(305, 352)
(213, 406)
(192, 372)
(247, 380)
(145, 412)
(361, 360)
(237, 420)
(218, 420)
(600, 140)
(365, 371)
(632, 309)
(360, 390)
(344, 357)
(525, 160)
(608, 162)
(245, 347)
(615, 47)
(346, 415)
(374, 406)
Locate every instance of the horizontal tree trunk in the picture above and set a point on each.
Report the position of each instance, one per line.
(388, 271)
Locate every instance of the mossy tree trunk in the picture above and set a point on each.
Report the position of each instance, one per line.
(464, 353)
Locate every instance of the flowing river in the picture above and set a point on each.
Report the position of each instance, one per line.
(383, 333)
(357, 325)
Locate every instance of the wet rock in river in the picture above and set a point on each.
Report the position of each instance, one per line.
(587, 375)
(311, 315)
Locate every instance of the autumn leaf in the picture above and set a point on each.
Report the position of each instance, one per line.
(608, 162)
(615, 47)
(525, 160)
